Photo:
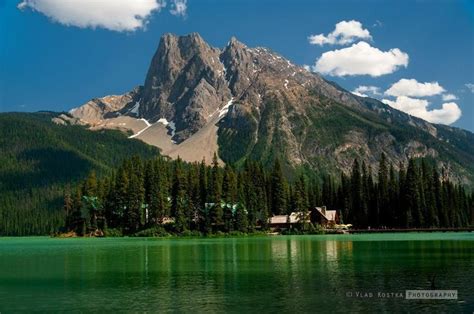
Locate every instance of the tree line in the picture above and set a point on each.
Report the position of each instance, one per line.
(210, 198)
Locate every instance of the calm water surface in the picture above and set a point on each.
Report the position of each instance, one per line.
(260, 274)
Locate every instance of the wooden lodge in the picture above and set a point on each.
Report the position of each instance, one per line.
(320, 215)
(324, 217)
(285, 221)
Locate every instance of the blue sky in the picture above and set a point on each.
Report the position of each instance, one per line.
(417, 55)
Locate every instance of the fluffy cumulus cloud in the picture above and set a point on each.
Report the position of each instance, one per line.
(448, 114)
(345, 32)
(361, 59)
(366, 91)
(412, 87)
(116, 15)
(179, 7)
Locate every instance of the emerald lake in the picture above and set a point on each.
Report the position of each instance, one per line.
(339, 273)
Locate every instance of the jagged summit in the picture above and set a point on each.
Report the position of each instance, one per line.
(245, 102)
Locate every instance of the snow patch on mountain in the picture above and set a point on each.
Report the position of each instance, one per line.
(135, 108)
(148, 124)
(225, 109)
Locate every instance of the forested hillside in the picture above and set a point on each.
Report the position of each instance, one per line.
(39, 158)
(42, 164)
(140, 195)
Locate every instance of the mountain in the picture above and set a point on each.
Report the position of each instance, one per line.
(39, 158)
(252, 103)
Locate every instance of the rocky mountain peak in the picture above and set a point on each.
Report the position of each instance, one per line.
(185, 83)
(245, 102)
(234, 43)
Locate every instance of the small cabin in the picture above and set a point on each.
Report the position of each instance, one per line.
(325, 217)
(285, 221)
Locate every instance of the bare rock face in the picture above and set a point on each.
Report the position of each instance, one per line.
(95, 111)
(185, 84)
(253, 103)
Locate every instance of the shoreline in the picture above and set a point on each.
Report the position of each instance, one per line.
(466, 229)
(262, 234)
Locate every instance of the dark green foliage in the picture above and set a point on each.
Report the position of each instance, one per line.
(279, 190)
(49, 180)
(179, 197)
(38, 159)
(202, 199)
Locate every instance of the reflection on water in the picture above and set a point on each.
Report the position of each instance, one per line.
(288, 274)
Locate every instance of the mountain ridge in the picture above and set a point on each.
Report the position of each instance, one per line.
(253, 103)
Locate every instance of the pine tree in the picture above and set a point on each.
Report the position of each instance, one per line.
(250, 199)
(344, 197)
(241, 223)
(134, 202)
(383, 196)
(413, 201)
(203, 184)
(179, 201)
(278, 190)
(229, 185)
(120, 197)
(301, 201)
(360, 215)
(68, 208)
(437, 191)
(406, 219)
(215, 191)
(229, 197)
(79, 219)
(431, 220)
(368, 201)
(393, 217)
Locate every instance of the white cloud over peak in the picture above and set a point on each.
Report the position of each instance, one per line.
(345, 32)
(448, 114)
(365, 91)
(115, 15)
(448, 97)
(411, 87)
(179, 7)
(361, 59)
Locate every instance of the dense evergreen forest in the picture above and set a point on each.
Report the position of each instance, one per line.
(140, 195)
(39, 158)
(39, 161)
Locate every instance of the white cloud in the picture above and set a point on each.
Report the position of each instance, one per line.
(470, 86)
(412, 87)
(361, 59)
(179, 7)
(116, 15)
(359, 94)
(448, 114)
(345, 32)
(448, 97)
(364, 91)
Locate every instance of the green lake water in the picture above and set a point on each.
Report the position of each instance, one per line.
(290, 274)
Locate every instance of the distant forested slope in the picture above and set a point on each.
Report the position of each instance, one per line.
(38, 158)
